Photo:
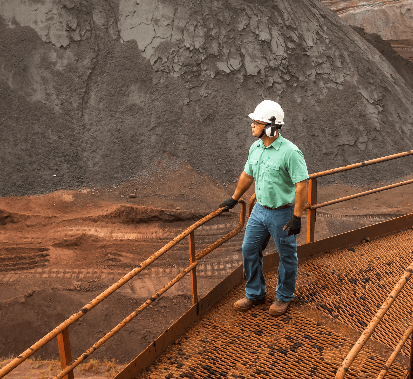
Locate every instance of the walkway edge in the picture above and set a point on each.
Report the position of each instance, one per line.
(156, 348)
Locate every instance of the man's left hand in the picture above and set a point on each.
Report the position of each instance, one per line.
(293, 226)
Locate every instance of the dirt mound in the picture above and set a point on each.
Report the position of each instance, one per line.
(96, 93)
(403, 66)
(136, 214)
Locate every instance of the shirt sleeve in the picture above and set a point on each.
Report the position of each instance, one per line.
(247, 167)
(297, 167)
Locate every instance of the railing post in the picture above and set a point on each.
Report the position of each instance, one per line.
(65, 352)
(194, 286)
(311, 213)
(251, 203)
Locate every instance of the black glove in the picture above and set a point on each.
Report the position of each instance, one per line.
(228, 203)
(293, 225)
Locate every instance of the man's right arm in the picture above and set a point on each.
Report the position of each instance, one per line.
(244, 182)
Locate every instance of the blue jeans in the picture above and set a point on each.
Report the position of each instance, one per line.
(262, 224)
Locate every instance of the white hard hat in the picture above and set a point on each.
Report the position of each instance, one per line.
(266, 110)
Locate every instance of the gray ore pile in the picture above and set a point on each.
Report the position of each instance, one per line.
(97, 92)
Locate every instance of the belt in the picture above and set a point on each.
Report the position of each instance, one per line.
(282, 206)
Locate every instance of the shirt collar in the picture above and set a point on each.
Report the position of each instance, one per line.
(276, 144)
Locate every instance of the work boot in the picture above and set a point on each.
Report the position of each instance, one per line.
(279, 307)
(245, 304)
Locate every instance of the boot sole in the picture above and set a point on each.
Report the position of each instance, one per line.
(275, 314)
(250, 307)
(278, 313)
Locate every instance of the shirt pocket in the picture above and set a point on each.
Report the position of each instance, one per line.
(272, 172)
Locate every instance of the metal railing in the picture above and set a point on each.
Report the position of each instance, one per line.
(312, 205)
(343, 369)
(61, 332)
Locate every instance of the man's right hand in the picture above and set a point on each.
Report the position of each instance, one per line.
(228, 203)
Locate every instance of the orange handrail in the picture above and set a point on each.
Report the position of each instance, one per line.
(63, 327)
(396, 351)
(124, 322)
(360, 164)
(312, 204)
(355, 196)
(373, 323)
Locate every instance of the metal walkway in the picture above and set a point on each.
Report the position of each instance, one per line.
(337, 294)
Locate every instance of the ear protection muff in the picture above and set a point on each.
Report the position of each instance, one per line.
(271, 129)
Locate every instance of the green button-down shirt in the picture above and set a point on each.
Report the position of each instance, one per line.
(276, 169)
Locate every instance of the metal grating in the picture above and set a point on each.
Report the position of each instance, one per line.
(351, 284)
(337, 295)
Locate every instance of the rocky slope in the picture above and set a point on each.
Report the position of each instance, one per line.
(94, 93)
(402, 65)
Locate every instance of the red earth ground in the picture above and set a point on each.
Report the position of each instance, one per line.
(58, 251)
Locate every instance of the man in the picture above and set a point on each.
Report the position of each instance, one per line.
(280, 173)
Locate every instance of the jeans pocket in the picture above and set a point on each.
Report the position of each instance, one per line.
(288, 240)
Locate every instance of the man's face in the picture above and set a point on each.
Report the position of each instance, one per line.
(257, 128)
